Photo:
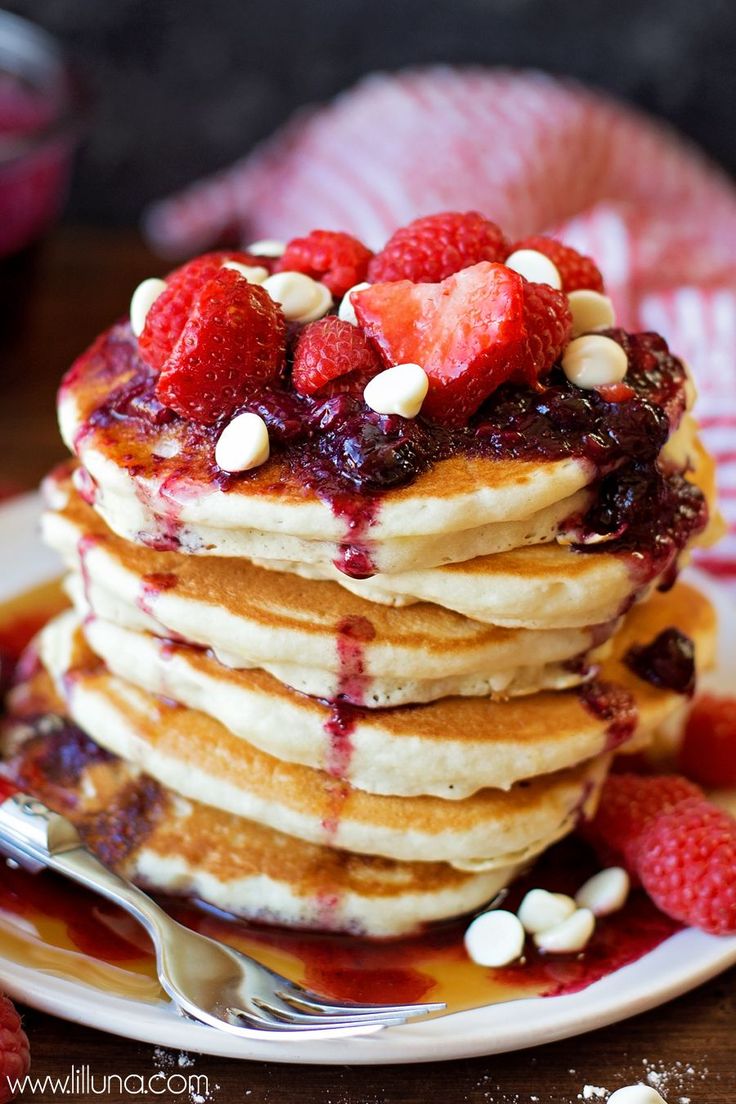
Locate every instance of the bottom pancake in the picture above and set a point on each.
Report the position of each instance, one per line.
(179, 847)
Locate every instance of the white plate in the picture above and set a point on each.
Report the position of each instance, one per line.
(682, 962)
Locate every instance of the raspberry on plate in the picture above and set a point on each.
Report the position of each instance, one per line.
(686, 860)
(470, 333)
(330, 350)
(708, 751)
(432, 248)
(169, 313)
(14, 1051)
(337, 260)
(234, 333)
(629, 802)
(576, 270)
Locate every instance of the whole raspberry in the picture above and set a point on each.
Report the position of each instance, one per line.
(548, 324)
(629, 802)
(338, 260)
(432, 248)
(576, 270)
(14, 1052)
(235, 333)
(329, 350)
(169, 313)
(686, 860)
(708, 750)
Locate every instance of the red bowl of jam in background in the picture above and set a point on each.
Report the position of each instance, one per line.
(40, 114)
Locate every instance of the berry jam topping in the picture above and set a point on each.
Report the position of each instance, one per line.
(614, 705)
(626, 507)
(668, 661)
(58, 752)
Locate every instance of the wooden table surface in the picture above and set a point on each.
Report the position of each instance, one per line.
(84, 281)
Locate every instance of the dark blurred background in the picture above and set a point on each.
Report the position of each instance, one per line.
(183, 87)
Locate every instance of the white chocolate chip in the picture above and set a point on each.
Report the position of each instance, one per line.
(535, 267)
(301, 298)
(398, 390)
(346, 312)
(541, 910)
(495, 938)
(243, 444)
(590, 311)
(605, 892)
(594, 361)
(569, 936)
(267, 247)
(254, 274)
(144, 296)
(636, 1094)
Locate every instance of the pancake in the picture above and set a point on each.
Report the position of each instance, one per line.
(539, 587)
(197, 757)
(134, 520)
(314, 636)
(450, 749)
(156, 482)
(173, 846)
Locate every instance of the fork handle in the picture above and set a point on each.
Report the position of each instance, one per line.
(36, 838)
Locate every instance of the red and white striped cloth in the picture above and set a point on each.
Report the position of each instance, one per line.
(533, 153)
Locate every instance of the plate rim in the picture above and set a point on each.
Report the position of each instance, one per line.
(681, 963)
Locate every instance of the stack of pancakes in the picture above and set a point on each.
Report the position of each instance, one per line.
(291, 743)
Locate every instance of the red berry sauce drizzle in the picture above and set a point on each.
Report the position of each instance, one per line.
(152, 586)
(668, 661)
(613, 704)
(334, 446)
(84, 545)
(353, 633)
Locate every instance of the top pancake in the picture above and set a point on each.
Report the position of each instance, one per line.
(159, 484)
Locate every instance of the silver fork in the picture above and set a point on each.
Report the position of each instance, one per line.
(206, 980)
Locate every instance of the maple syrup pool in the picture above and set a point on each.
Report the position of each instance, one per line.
(51, 925)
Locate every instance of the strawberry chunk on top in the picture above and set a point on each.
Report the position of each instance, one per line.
(168, 315)
(470, 333)
(234, 333)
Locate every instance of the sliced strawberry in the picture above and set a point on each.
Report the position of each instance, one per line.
(235, 333)
(471, 333)
(168, 315)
